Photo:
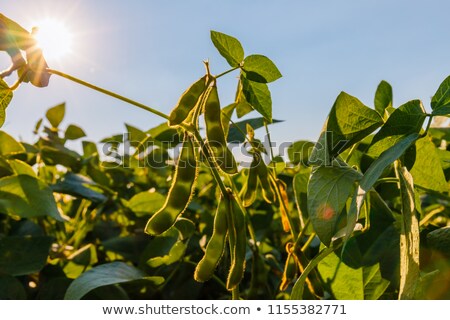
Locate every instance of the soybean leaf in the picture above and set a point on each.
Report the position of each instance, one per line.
(300, 151)
(60, 155)
(259, 68)
(258, 96)
(23, 255)
(20, 167)
(106, 274)
(74, 132)
(243, 108)
(134, 135)
(406, 119)
(27, 197)
(56, 114)
(328, 190)
(350, 121)
(347, 283)
(229, 47)
(235, 134)
(383, 98)
(409, 238)
(175, 254)
(146, 203)
(371, 176)
(6, 95)
(11, 288)
(164, 135)
(9, 145)
(440, 103)
(79, 186)
(300, 186)
(427, 170)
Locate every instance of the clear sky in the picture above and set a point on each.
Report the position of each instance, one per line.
(151, 51)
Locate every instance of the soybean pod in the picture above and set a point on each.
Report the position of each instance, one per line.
(215, 133)
(238, 250)
(187, 102)
(180, 192)
(216, 245)
(263, 175)
(249, 191)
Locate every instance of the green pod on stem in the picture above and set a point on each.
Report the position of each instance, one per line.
(216, 245)
(238, 243)
(180, 193)
(215, 133)
(187, 102)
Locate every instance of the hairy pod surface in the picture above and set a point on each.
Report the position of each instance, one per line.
(216, 245)
(180, 192)
(215, 133)
(187, 102)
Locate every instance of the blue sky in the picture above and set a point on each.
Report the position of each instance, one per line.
(151, 51)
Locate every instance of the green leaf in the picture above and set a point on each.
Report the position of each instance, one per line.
(427, 170)
(237, 130)
(60, 155)
(409, 238)
(165, 135)
(300, 151)
(106, 274)
(229, 47)
(9, 145)
(383, 98)
(6, 96)
(20, 167)
(258, 96)
(56, 114)
(174, 255)
(300, 186)
(146, 203)
(371, 176)
(23, 255)
(135, 136)
(350, 121)
(347, 283)
(243, 108)
(79, 186)
(328, 191)
(11, 288)
(406, 119)
(259, 68)
(440, 103)
(74, 132)
(27, 197)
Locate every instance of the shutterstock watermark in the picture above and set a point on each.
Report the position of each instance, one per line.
(128, 153)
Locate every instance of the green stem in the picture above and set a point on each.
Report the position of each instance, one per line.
(226, 72)
(270, 141)
(308, 242)
(297, 290)
(107, 92)
(430, 119)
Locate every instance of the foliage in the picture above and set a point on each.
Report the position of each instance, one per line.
(359, 214)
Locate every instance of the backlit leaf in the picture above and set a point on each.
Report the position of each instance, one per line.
(229, 47)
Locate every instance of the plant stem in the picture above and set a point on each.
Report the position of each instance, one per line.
(107, 92)
(430, 119)
(270, 141)
(226, 72)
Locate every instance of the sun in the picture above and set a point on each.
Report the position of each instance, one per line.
(54, 38)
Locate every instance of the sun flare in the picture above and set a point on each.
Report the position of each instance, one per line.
(53, 38)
